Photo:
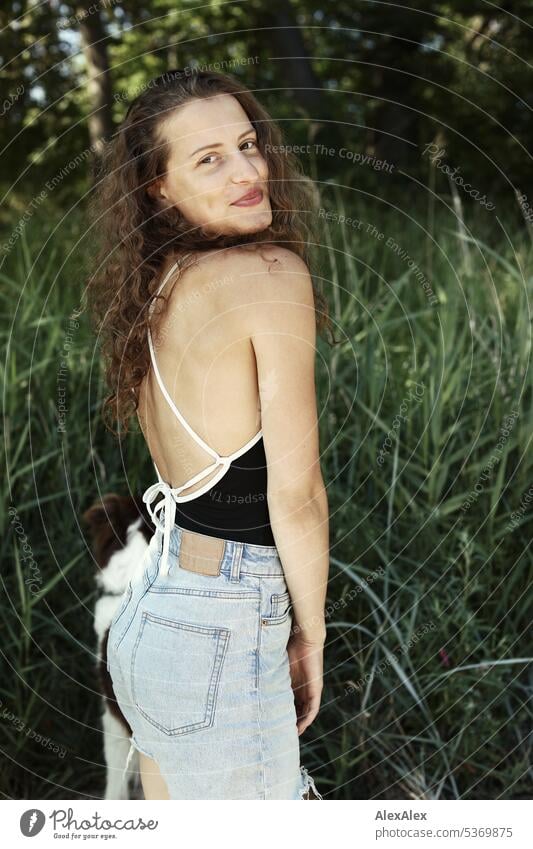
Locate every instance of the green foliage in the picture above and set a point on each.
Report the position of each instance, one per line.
(426, 402)
(378, 82)
(426, 432)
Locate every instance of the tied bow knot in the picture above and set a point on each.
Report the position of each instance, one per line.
(167, 504)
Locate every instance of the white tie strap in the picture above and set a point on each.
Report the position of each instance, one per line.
(169, 506)
(173, 495)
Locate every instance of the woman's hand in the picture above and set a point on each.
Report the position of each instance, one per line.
(306, 668)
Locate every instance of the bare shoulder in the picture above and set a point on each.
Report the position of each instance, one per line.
(253, 281)
(268, 258)
(268, 273)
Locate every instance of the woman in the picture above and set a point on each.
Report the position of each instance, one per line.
(216, 652)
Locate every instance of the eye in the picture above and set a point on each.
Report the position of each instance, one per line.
(204, 160)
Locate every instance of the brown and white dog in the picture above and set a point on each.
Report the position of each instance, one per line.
(119, 529)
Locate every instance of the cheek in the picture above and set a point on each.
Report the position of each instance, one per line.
(191, 194)
(208, 198)
(203, 199)
(213, 193)
(178, 189)
(262, 167)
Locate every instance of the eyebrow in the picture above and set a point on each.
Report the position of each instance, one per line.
(218, 144)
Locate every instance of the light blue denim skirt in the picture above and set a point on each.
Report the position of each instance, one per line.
(200, 671)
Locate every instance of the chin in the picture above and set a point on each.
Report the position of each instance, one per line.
(252, 222)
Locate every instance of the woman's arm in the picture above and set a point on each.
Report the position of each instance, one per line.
(283, 336)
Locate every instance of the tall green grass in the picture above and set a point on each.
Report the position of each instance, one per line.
(427, 677)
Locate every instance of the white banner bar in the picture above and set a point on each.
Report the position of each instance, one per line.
(358, 824)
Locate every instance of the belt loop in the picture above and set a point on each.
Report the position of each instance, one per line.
(236, 561)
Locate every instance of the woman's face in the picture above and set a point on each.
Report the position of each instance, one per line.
(214, 162)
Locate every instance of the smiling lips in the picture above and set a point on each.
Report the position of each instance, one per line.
(251, 199)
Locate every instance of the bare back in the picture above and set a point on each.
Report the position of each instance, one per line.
(207, 363)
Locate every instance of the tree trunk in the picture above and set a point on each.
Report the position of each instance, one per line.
(287, 40)
(94, 43)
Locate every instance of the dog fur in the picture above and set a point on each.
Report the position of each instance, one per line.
(119, 530)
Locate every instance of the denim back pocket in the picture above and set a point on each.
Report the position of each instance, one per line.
(175, 673)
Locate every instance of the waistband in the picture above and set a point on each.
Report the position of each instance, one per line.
(265, 556)
(239, 557)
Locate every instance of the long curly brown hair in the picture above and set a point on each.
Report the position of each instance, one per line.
(136, 235)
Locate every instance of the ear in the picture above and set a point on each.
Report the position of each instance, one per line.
(156, 190)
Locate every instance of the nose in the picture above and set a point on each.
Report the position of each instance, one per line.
(243, 169)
